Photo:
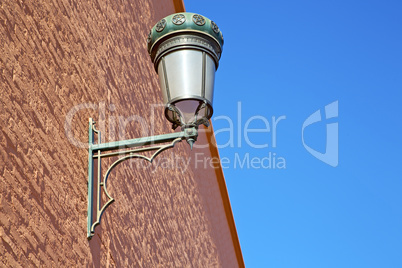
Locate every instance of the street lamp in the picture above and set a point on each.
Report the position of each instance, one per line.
(185, 49)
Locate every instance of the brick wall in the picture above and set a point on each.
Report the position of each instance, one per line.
(64, 61)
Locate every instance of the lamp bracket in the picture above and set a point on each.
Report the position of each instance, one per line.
(127, 149)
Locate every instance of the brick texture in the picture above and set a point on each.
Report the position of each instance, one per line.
(64, 61)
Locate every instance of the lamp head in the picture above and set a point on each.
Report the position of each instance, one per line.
(185, 49)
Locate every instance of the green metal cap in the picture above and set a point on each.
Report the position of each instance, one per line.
(184, 22)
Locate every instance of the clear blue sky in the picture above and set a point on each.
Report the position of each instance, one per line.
(292, 58)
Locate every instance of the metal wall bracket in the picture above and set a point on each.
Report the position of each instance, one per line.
(126, 149)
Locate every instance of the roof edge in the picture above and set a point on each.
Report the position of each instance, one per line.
(179, 6)
(225, 197)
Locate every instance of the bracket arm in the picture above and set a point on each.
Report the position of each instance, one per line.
(158, 145)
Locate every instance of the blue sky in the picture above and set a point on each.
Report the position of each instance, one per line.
(292, 58)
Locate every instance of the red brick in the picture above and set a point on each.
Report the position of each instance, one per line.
(56, 54)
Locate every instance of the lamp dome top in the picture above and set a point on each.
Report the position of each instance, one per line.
(184, 22)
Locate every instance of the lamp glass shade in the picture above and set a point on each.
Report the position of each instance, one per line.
(187, 81)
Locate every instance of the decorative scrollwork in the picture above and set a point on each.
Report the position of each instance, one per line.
(178, 19)
(130, 155)
(198, 19)
(157, 144)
